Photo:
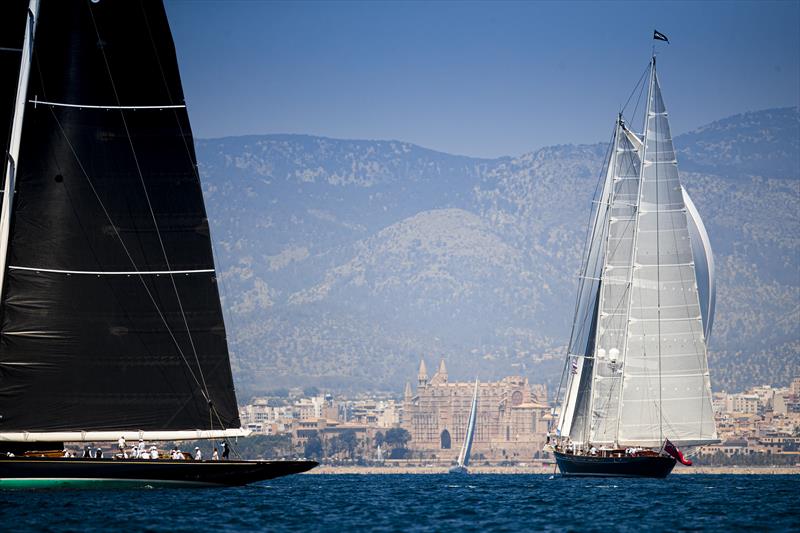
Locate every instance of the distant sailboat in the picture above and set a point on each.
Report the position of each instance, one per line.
(637, 380)
(466, 448)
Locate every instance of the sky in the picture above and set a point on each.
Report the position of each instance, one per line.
(482, 79)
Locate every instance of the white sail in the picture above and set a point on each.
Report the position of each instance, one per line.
(612, 322)
(463, 456)
(573, 419)
(703, 265)
(666, 391)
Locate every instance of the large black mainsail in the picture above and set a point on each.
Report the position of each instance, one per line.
(111, 319)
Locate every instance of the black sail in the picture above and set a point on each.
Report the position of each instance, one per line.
(111, 316)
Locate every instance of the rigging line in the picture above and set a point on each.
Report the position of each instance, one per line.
(150, 207)
(636, 107)
(612, 172)
(641, 78)
(125, 249)
(191, 160)
(590, 235)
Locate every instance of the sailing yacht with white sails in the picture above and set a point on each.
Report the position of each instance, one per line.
(466, 448)
(636, 377)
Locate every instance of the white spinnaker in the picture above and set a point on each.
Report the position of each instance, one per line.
(666, 391)
(703, 264)
(612, 321)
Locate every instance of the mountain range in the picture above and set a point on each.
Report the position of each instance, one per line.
(342, 263)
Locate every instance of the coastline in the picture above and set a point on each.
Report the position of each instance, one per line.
(536, 469)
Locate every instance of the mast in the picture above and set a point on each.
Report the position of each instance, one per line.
(16, 136)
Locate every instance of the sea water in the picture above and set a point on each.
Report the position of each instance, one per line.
(334, 503)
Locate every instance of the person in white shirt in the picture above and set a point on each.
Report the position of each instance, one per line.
(215, 455)
(142, 450)
(198, 455)
(121, 444)
(153, 452)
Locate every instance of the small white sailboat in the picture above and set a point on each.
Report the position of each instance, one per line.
(463, 456)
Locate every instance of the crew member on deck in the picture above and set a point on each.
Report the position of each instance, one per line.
(225, 451)
(215, 455)
(121, 444)
(198, 455)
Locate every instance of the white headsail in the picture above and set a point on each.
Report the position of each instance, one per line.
(573, 420)
(612, 322)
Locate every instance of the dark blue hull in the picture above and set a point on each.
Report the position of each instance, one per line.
(41, 472)
(653, 466)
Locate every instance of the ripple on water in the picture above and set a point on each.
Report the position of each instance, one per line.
(420, 503)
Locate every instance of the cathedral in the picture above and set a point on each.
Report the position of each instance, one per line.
(512, 417)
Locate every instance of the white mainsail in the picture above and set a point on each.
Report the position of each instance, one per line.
(463, 456)
(666, 392)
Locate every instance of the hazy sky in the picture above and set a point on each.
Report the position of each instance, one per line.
(475, 78)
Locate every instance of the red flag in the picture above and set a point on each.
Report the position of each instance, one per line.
(676, 453)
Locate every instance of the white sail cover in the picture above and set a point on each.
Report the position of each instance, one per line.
(666, 391)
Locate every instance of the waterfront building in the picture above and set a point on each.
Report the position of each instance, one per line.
(512, 419)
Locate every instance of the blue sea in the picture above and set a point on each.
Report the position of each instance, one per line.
(334, 503)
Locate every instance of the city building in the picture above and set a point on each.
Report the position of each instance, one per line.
(512, 417)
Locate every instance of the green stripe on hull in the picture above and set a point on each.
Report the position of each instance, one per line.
(96, 483)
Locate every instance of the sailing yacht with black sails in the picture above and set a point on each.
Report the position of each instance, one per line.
(110, 317)
(636, 377)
